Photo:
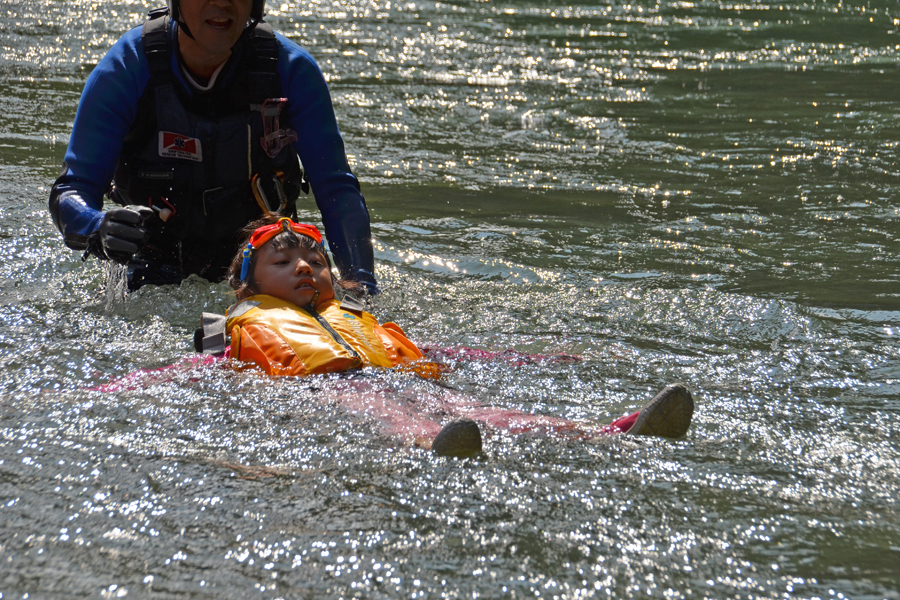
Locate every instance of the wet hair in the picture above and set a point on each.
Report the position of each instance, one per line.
(285, 239)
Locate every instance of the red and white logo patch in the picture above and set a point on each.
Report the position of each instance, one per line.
(175, 145)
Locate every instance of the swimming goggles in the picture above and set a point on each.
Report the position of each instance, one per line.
(267, 232)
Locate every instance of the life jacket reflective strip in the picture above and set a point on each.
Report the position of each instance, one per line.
(363, 342)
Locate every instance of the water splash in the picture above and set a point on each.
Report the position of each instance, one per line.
(116, 284)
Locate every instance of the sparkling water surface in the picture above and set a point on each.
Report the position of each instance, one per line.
(624, 195)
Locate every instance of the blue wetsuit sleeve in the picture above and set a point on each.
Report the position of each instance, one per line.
(106, 111)
(321, 150)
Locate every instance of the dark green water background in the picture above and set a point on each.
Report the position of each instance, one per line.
(678, 191)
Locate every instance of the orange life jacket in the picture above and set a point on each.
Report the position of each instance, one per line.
(285, 339)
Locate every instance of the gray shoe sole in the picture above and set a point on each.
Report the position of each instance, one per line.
(460, 438)
(667, 415)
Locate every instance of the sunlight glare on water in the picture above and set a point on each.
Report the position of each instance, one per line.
(572, 206)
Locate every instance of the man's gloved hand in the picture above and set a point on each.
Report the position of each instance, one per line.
(122, 233)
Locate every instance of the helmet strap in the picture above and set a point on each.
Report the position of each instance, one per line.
(187, 31)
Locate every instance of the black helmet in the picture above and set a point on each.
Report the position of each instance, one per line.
(256, 13)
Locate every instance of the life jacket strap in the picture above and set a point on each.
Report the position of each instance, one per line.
(352, 304)
(241, 307)
(212, 339)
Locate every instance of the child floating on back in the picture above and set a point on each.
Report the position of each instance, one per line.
(288, 322)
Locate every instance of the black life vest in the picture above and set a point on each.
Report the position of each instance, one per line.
(194, 156)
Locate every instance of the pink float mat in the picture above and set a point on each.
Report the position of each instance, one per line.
(413, 417)
(417, 416)
(144, 377)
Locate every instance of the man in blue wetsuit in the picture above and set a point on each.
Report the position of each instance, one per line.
(194, 124)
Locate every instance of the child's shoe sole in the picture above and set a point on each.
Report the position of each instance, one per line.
(667, 415)
(460, 438)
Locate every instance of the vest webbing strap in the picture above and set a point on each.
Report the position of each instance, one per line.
(264, 82)
(156, 37)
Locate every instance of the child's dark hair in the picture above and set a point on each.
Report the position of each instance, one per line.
(285, 239)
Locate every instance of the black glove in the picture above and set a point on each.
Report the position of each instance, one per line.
(122, 233)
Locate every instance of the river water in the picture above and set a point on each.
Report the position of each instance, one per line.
(639, 192)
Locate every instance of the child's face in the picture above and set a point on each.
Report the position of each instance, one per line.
(292, 274)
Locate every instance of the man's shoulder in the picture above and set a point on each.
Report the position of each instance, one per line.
(293, 52)
(132, 39)
(125, 61)
(128, 50)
